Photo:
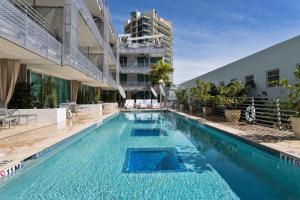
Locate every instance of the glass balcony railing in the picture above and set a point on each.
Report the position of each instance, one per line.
(140, 68)
(136, 85)
(83, 64)
(20, 29)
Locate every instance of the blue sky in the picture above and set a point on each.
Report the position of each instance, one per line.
(211, 33)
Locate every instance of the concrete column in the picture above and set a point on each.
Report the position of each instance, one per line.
(118, 62)
(70, 33)
(106, 46)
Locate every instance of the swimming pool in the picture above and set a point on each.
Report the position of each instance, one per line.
(156, 156)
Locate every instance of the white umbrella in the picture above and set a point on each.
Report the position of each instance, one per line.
(153, 92)
(122, 92)
(162, 87)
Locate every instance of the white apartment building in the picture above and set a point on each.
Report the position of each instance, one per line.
(71, 42)
(260, 71)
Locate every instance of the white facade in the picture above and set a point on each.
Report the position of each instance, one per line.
(284, 57)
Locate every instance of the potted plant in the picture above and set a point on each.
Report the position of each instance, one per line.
(205, 92)
(181, 95)
(191, 100)
(294, 101)
(230, 97)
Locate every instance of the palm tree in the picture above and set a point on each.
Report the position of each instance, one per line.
(161, 71)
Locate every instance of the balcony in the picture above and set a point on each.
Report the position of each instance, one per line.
(20, 29)
(137, 48)
(134, 68)
(81, 6)
(109, 80)
(112, 56)
(136, 85)
(86, 66)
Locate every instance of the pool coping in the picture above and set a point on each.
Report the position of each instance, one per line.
(235, 133)
(15, 165)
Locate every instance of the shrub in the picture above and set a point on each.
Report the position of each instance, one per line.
(23, 97)
(181, 95)
(204, 91)
(231, 96)
(293, 92)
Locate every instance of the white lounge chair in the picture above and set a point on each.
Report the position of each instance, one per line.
(147, 102)
(155, 104)
(140, 104)
(129, 104)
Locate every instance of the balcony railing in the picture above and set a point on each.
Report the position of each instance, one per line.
(20, 29)
(110, 81)
(81, 6)
(112, 55)
(29, 11)
(140, 48)
(135, 68)
(84, 65)
(136, 85)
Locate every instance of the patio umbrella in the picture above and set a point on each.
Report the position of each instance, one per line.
(153, 92)
(162, 88)
(122, 92)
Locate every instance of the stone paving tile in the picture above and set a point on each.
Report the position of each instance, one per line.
(283, 141)
(21, 145)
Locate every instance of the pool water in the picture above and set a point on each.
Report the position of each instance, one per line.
(190, 162)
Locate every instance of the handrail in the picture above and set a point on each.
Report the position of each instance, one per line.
(29, 11)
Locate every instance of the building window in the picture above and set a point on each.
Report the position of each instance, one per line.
(222, 83)
(273, 78)
(123, 61)
(123, 77)
(142, 61)
(249, 80)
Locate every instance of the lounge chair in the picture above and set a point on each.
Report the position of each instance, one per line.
(155, 104)
(140, 104)
(147, 102)
(6, 119)
(129, 104)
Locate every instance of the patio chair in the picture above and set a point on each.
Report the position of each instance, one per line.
(68, 109)
(6, 119)
(155, 104)
(147, 102)
(129, 104)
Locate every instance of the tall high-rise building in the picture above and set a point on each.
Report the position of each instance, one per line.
(149, 24)
(147, 39)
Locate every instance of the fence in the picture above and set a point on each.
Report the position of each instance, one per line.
(273, 113)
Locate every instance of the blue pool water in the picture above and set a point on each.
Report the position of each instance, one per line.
(192, 162)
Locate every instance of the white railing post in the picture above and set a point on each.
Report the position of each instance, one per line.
(278, 114)
(253, 104)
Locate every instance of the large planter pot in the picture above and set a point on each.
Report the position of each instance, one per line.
(180, 107)
(207, 111)
(295, 121)
(191, 108)
(232, 115)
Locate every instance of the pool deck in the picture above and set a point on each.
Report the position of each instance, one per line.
(21, 142)
(268, 138)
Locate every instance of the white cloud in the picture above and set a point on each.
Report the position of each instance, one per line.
(196, 54)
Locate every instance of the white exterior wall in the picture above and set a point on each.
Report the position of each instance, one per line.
(284, 56)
